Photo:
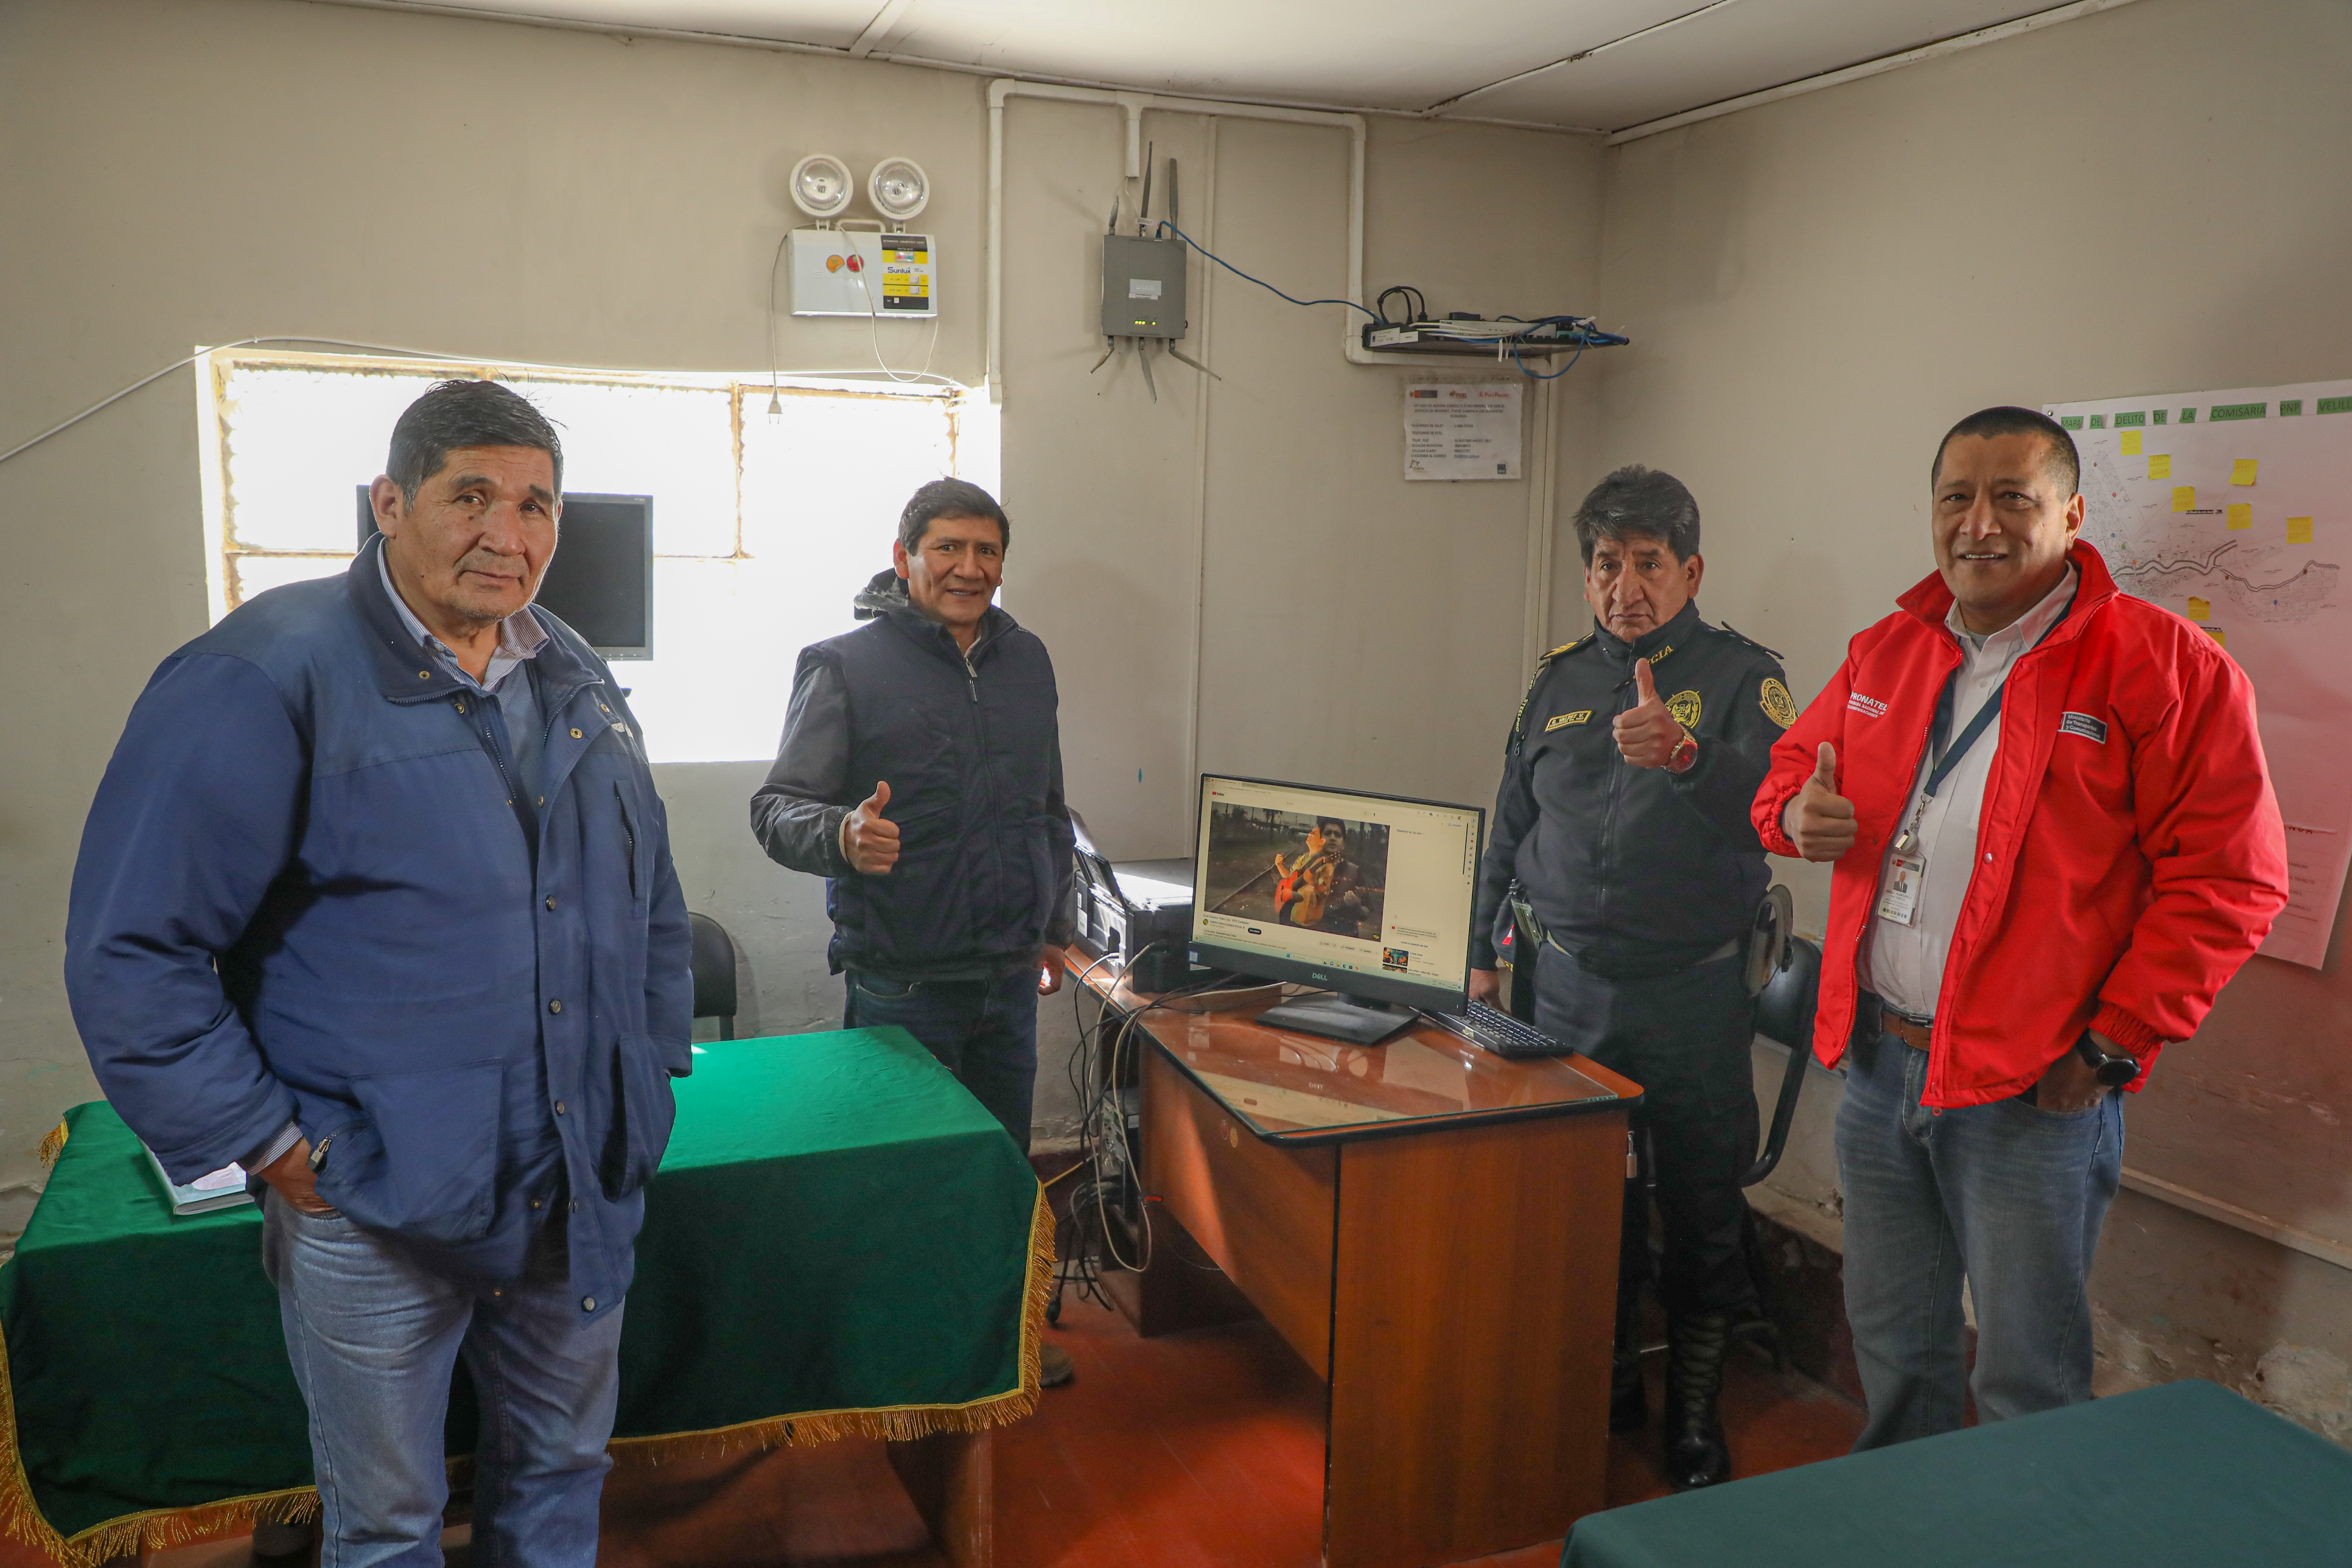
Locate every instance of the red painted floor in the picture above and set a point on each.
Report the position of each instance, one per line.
(1194, 1449)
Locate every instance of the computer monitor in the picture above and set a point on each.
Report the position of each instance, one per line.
(1367, 896)
(601, 583)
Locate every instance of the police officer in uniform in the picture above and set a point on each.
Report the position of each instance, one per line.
(1624, 819)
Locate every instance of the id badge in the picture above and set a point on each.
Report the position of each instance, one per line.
(1899, 899)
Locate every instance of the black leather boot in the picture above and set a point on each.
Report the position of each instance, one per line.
(1697, 1453)
(1629, 1402)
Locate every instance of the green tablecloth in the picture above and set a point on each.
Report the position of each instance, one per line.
(2185, 1474)
(840, 1242)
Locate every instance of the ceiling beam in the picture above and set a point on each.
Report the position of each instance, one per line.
(1992, 35)
(878, 32)
(1514, 80)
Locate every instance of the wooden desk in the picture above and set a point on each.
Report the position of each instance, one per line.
(1432, 1229)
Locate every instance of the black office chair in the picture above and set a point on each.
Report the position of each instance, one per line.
(1784, 1013)
(714, 973)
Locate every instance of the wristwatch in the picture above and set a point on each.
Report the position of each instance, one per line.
(2112, 1071)
(1684, 754)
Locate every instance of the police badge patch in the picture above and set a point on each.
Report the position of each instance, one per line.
(1684, 707)
(1778, 707)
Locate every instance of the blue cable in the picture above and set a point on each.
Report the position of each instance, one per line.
(1554, 375)
(1261, 282)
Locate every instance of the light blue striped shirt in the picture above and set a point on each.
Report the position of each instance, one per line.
(521, 636)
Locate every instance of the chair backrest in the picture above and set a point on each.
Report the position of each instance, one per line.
(714, 968)
(1784, 1011)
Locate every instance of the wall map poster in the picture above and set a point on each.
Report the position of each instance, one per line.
(2234, 508)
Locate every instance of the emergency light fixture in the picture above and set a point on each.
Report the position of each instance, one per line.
(898, 188)
(822, 185)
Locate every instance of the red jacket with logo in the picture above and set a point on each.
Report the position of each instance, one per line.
(2132, 856)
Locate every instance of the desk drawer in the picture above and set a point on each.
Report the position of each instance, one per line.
(1264, 1213)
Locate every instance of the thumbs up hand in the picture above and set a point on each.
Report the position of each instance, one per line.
(869, 841)
(1647, 732)
(1820, 821)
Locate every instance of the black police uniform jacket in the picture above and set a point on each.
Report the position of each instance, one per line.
(1636, 871)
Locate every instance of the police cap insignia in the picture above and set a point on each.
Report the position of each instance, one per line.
(1778, 707)
(1684, 707)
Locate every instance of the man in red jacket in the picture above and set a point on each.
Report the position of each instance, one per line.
(2055, 841)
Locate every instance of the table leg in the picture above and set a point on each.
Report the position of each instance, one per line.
(1177, 1289)
(951, 1478)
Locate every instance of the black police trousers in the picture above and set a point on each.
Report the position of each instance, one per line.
(1684, 1038)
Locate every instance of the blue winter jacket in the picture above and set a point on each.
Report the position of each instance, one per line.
(307, 890)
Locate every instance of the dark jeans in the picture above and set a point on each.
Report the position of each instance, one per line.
(1684, 1038)
(2008, 1196)
(983, 1031)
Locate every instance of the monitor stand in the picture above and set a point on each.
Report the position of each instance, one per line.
(1359, 1020)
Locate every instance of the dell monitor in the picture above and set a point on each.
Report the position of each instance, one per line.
(601, 583)
(1367, 896)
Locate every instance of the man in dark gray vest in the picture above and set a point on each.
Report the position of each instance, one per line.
(921, 775)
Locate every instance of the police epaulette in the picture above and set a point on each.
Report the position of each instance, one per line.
(1541, 665)
(1734, 632)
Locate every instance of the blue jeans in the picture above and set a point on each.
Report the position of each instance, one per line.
(2008, 1195)
(374, 1340)
(983, 1031)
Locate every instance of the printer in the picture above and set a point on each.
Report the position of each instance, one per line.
(1138, 912)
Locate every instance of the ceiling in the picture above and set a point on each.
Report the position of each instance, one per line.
(1523, 60)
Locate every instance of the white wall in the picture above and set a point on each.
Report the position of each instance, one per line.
(177, 174)
(2149, 199)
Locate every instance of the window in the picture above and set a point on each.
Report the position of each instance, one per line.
(771, 507)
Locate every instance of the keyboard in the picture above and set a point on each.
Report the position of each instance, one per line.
(1492, 1029)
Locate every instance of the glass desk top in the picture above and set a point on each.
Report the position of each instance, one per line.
(1302, 1088)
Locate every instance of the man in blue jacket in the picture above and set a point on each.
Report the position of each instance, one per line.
(920, 775)
(376, 899)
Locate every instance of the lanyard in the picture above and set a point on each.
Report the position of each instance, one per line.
(1950, 756)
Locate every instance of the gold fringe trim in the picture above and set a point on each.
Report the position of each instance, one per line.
(53, 1146)
(160, 1528)
(894, 1423)
(21, 1519)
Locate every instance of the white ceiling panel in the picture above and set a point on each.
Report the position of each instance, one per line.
(1591, 64)
(1376, 53)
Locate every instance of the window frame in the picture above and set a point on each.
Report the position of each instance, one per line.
(214, 367)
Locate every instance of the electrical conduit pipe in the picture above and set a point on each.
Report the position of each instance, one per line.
(1132, 105)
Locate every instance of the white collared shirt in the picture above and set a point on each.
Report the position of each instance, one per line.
(1903, 964)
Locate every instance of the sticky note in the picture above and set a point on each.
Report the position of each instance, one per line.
(2241, 472)
(2184, 498)
(2130, 448)
(2298, 531)
(2198, 609)
(2215, 633)
(2242, 515)
(2160, 466)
